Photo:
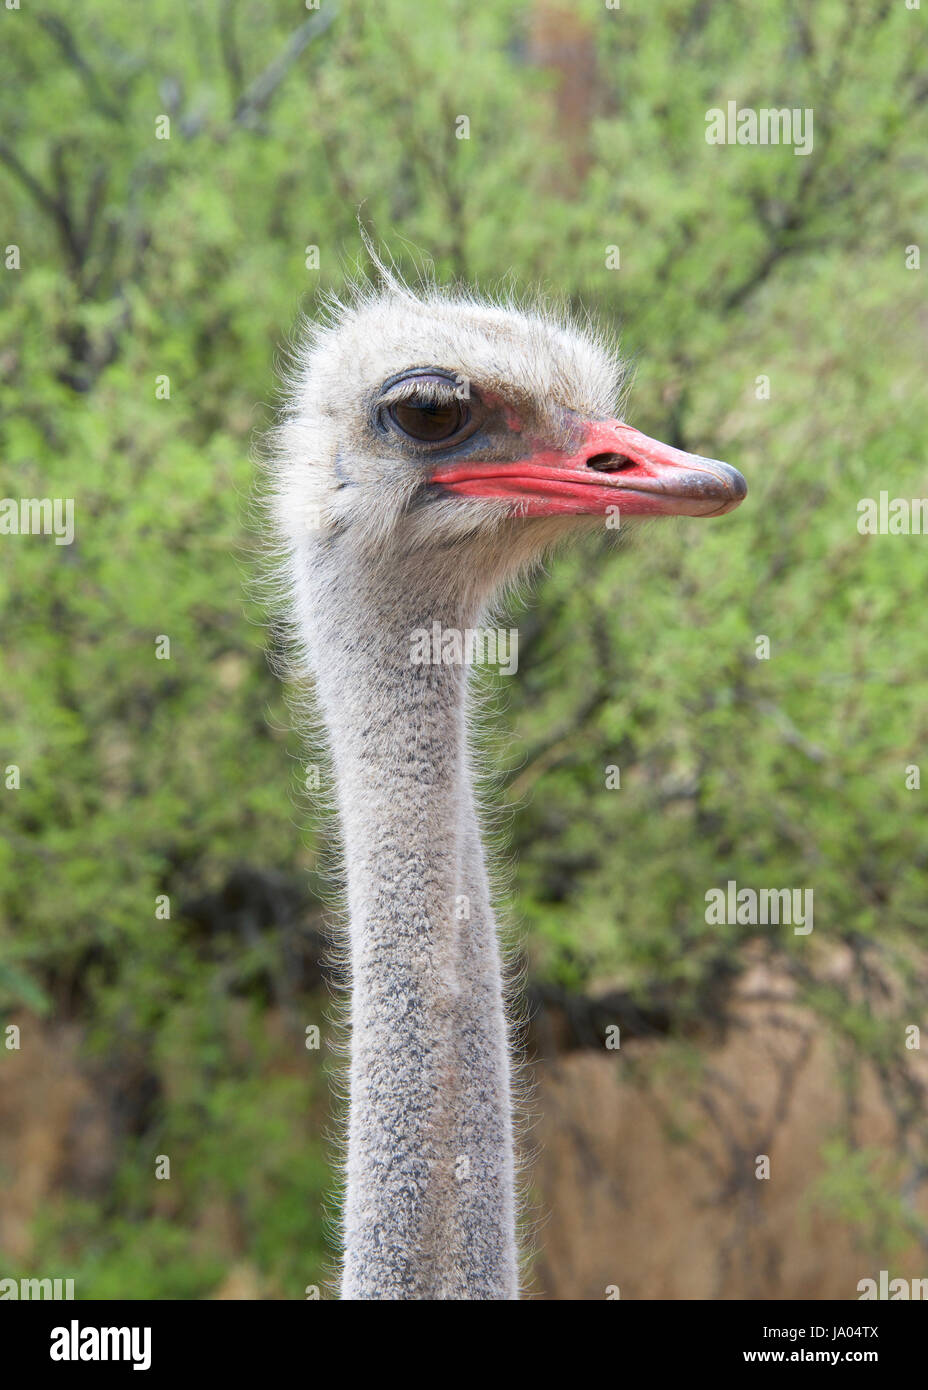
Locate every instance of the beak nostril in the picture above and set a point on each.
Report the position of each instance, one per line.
(609, 463)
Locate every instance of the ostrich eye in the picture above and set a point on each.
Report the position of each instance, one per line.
(429, 423)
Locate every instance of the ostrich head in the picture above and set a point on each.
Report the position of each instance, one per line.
(442, 428)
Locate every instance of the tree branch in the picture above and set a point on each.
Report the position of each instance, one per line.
(65, 40)
(259, 94)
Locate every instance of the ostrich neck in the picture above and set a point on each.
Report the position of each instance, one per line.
(429, 1207)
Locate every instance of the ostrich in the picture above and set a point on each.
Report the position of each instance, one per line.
(433, 447)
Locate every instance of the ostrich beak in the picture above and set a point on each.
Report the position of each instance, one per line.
(616, 466)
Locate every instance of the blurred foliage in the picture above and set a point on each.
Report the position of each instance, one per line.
(187, 257)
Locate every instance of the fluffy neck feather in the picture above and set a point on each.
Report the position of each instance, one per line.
(429, 1208)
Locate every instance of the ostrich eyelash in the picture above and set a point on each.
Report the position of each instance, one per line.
(428, 388)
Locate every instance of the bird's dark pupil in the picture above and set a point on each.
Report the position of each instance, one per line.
(427, 422)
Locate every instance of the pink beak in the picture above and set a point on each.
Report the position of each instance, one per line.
(617, 466)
